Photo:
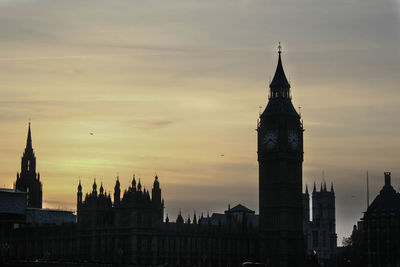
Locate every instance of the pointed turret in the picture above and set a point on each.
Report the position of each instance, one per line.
(332, 187)
(156, 192)
(314, 189)
(94, 187)
(28, 180)
(306, 190)
(179, 219)
(279, 95)
(156, 184)
(324, 186)
(134, 182)
(79, 195)
(117, 184)
(139, 186)
(101, 189)
(279, 86)
(117, 192)
(29, 139)
(79, 186)
(28, 162)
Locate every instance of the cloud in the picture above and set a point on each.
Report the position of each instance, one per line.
(148, 124)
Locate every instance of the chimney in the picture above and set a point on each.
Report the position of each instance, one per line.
(387, 179)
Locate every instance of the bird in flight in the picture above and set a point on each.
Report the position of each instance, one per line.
(91, 133)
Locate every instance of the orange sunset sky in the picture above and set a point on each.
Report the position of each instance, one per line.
(168, 86)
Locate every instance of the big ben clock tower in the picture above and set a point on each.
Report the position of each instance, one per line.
(280, 158)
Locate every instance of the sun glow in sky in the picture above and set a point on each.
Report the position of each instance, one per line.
(166, 87)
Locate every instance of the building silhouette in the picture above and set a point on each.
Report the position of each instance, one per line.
(128, 227)
(132, 230)
(376, 238)
(28, 180)
(280, 158)
(320, 233)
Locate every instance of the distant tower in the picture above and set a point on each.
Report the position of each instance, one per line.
(156, 192)
(79, 195)
(28, 180)
(324, 223)
(280, 157)
(117, 192)
(94, 192)
(306, 206)
(156, 199)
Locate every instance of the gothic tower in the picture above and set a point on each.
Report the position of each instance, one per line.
(280, 158)
(117, 193)
(28, 180)
(323, 217)
(79, 196)
(157, 201)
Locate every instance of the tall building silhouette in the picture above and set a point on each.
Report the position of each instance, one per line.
(280, 158)
(320, 232)
(376, 238)
(130, 228)
(28, 180)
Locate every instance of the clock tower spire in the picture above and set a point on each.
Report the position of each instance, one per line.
(280, 158)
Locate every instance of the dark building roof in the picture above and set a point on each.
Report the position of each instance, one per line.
(38, 217)
(279, 80)
(240, 208)
(388, 200)
(12, 201)
(280, 100)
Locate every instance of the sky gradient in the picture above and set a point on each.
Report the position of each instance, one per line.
(168, 86)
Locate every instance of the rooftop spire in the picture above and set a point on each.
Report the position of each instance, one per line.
(279, 85)
(306, 189)
(29, 139)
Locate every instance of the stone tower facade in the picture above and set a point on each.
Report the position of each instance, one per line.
(280, 158)
(28, 180)
(320, 233)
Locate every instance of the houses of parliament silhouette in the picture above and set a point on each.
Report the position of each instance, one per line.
(129, 228)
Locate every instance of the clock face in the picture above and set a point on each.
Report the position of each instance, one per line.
(293, 139)
(270, 139)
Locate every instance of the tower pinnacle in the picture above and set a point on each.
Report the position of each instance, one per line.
(28, 180)
(29, 138)
(279, 86)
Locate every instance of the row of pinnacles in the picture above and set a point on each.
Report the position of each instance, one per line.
(133, 230)
(138, 209)
(98, 210)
